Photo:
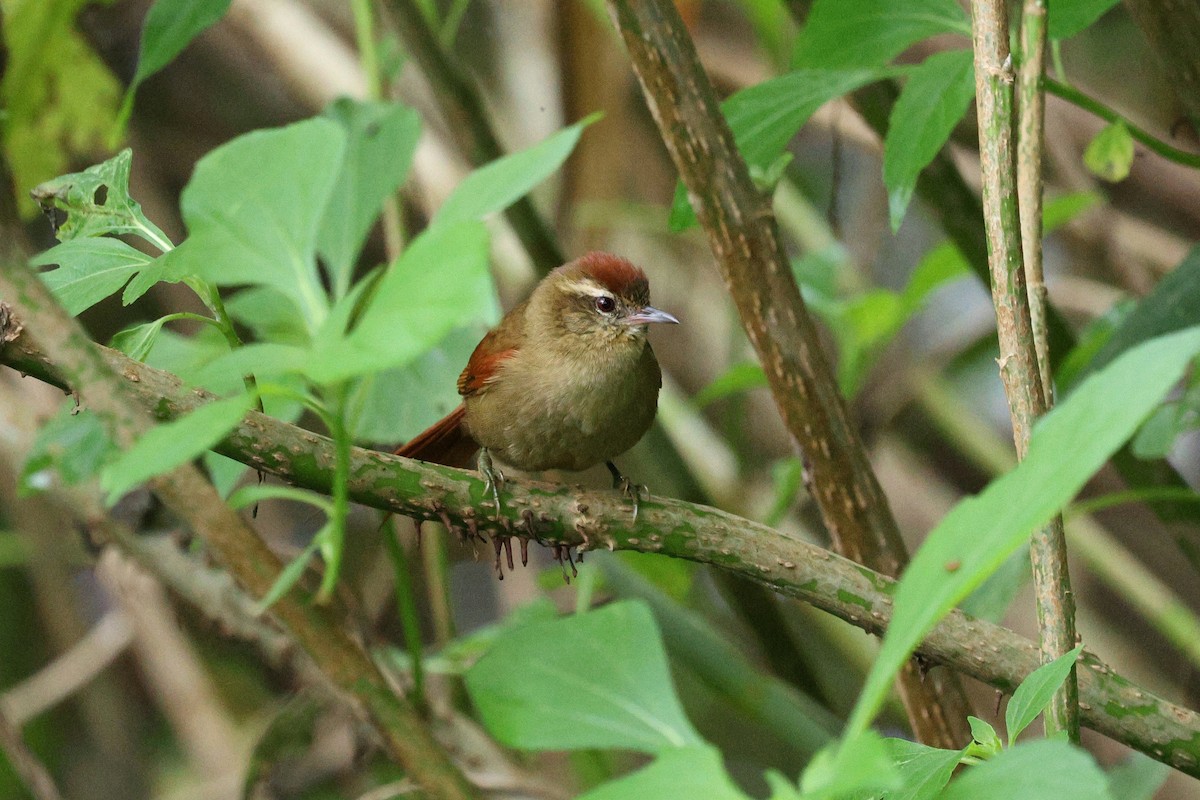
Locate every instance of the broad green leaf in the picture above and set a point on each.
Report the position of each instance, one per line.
(986, 742)
(169, 27)
(59, 98)
(270, 314)
(857, 766)
(1173, 305)
(693, 772)
(73, 443)
(870, 33)
(381, 139)
(932, 102)
(495, 186)
(766, 116)
(737, 379)
(97, 203)
(396, 404)
(923, 770)
(1069, 444)
(781, 788)
(1094, 337)
(166, 446)
(1060, 210)
(1035, 693)
(1138, 777)
(89, 270)
(440, 283)
(1110, 155)
(598, 679)
(253, 209)
(1046, 769)
(995, 595)
(1157, 436)
(1069, 17)
(262, 360)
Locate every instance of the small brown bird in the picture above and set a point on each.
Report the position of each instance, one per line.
(567, 380)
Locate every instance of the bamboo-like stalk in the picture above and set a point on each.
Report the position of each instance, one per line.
(1018, 353)
(562, 515)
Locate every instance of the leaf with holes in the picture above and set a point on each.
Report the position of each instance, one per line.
(89, 270)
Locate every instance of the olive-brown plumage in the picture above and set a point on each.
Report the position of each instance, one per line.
(567, 380)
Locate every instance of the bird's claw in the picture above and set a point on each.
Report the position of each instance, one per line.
(631, 490)
(493, 478)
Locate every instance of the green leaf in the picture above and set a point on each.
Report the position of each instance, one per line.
(169, 27)
(223, 472)
(1069, 17)
(1138, 777)
(1058, 211)
(870, 33)
(138, 340)
(171, 444)
(1109, 156)
(270, 314)
(766, 116)
(932, 102)
(737, 379)
(1046, 769)
(694, 772)
(1157, 436)
(89, 270)
(396, 404)
(249, 495)
(1069, 444)
(992, 599)
(598, 679)
(986, 741)
(1035, 693)
(290, 574)
(73, 443)
(1173, 305)
(857, 766)
(58, 96)
(495, 186)
(440, 283)
(97, 203)
(924, 770)
(381, 139)
(253, 209)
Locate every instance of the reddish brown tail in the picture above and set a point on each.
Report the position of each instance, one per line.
(444, 442)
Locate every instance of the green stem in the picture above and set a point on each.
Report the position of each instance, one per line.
(436, 554)
(364, 38)
(1165, 494)
(335, 545)
(1153, 143)
(406, 605)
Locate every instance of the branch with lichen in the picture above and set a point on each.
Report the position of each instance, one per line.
(559, 515)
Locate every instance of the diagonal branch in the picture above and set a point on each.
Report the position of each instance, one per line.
(745, 239)
(598, 519)
(191, 497)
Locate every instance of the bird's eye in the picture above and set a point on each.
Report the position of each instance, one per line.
(605, 304)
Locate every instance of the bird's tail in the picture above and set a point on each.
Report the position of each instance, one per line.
(444, 442)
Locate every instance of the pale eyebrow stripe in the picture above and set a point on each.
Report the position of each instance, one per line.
(586, 287)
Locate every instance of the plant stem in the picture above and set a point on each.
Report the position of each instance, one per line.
(467, 120)
(745, 240)
(1152, 142)
(1018, 356)
(406, 605)
(436, 554)
(336, 531)
(1031, 123)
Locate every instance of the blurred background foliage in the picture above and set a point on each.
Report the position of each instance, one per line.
(135, 706)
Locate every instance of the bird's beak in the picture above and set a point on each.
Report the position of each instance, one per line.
(649, 314)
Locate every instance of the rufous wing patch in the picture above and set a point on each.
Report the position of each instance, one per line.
(483, 365)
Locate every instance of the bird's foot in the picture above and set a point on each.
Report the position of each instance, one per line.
(634, 491)
(493, 478)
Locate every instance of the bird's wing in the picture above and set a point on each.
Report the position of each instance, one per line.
(500, 344)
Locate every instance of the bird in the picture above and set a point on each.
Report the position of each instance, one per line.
(566, 380)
